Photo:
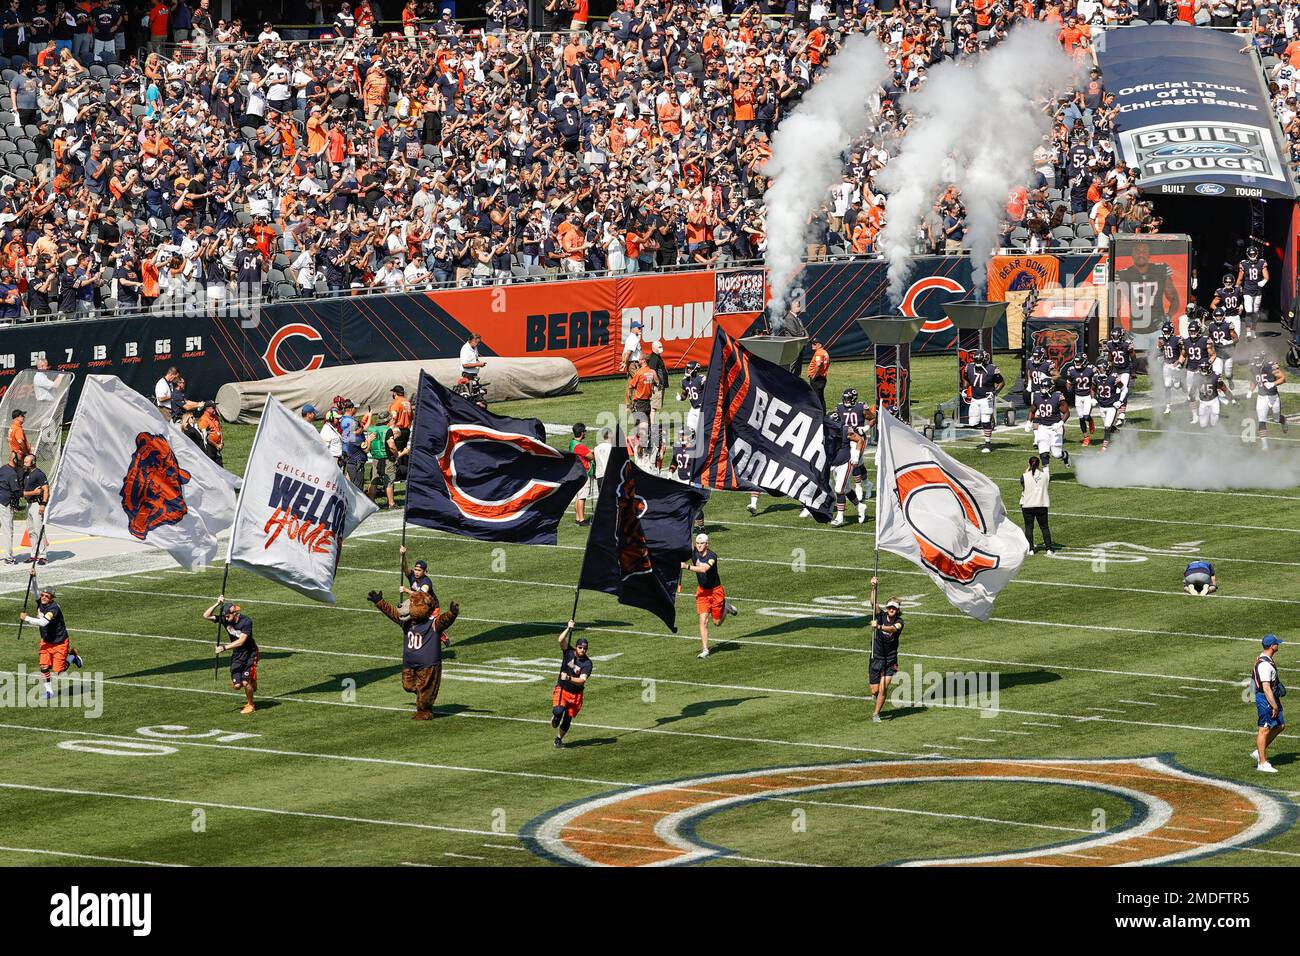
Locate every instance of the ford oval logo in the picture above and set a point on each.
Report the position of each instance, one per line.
(1201, 149)
(1209, 189)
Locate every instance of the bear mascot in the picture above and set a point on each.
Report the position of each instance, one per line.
(422, 625)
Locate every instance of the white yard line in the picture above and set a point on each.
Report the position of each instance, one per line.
(1109, 710)
(1139, 703)
(1030, 723)
(1171, 696)
(979, 740)
(244, 808)
(83, 856)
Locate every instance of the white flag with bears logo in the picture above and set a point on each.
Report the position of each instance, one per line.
(944, 517)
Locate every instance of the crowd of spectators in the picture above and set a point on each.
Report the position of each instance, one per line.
(398, 149)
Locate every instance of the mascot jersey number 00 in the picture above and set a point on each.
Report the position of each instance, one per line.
(422, 625)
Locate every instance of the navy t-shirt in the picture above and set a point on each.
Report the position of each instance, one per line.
(574, 667)
(709, 578)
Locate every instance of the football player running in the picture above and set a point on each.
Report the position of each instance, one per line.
(1169, 347)
(1265, 377)
(983, 382)
(1223, 339)
(1252, 276)
(1122, 360)
(1038, 372)
(1079, 373)
(1048, 413)
(1197, 350)
(851, 414)
(692, 391)
(1105, 394)
(1228, 298)
(1208, 387)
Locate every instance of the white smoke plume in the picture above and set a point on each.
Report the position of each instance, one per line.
(807, 156)
(974, 126)
(1196, 460)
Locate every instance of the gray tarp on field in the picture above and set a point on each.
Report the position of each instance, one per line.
(370, 384)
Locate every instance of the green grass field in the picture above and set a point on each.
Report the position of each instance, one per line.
(1099, 657)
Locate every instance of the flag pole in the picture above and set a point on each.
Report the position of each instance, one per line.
(216, 659)
(577, 592)
(31, 582)
(406, 502)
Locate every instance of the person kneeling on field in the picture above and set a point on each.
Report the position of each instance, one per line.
(1199, 579)
(422, 650)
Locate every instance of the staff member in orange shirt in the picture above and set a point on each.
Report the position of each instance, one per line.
(818, 366)
(400, 415)
(18, 447)
(642, 386)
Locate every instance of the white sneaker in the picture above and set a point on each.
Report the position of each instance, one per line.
(730, 608)
(838, 520)
(49, 693)
(862, 514)
(875, 718)
(752, 508)
(985, 450)
(1168, 409)
(1254, 755)
(703, 654)
(1266, 767)
(802, 514)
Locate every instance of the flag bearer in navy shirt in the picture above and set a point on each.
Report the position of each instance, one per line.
(575, 671)
(710, 597)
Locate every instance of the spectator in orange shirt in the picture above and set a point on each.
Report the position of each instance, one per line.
(375, 91)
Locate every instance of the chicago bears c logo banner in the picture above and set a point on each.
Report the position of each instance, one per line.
(945, 518)
(483, 475)
(640, 536)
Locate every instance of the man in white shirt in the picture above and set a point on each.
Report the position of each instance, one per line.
(45, 383)
(631, 347)
(470, 363)
(389, 277)
(162, 392)
(329, 434)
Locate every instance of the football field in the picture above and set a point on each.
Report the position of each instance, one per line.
(1102, 715)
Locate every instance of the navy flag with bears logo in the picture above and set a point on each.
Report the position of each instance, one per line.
(483, 475)
(640, 536)
(763, 429)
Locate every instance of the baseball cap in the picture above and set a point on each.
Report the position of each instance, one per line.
(309, 409)
(398, 390)
(18, 411)
(580, 642)
(422, 565)
(47, 589)
(893, 602)
(636, 325)
(1271, 640)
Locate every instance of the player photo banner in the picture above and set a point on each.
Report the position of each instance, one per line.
(640, 536)
(764, 430)
(128, 473)
(1149, 282)
(945, 518)
(1194, 114)
(295, 507)
(483, 475)
(739, 291)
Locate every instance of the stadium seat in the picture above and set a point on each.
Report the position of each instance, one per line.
(1084, 230)
(1063, 232)
(97, 72)
(114, 71)
(281, 261)
(286, 290)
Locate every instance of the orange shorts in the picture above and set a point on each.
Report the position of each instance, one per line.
(712, 601)
(571, 702)
(54, 656)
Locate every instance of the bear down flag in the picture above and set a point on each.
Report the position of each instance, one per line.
(944, 517)
(483, 475)
(763, 429)
(295, 507)
(640, 536)
(126, 472)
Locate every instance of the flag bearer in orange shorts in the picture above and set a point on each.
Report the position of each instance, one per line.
(56, 646)
(710, 598)
(575, 671)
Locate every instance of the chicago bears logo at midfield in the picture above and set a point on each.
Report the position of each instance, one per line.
(499, 483)
(939, 509)
(153, 492)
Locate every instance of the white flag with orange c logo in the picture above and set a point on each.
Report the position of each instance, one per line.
(944, 517)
